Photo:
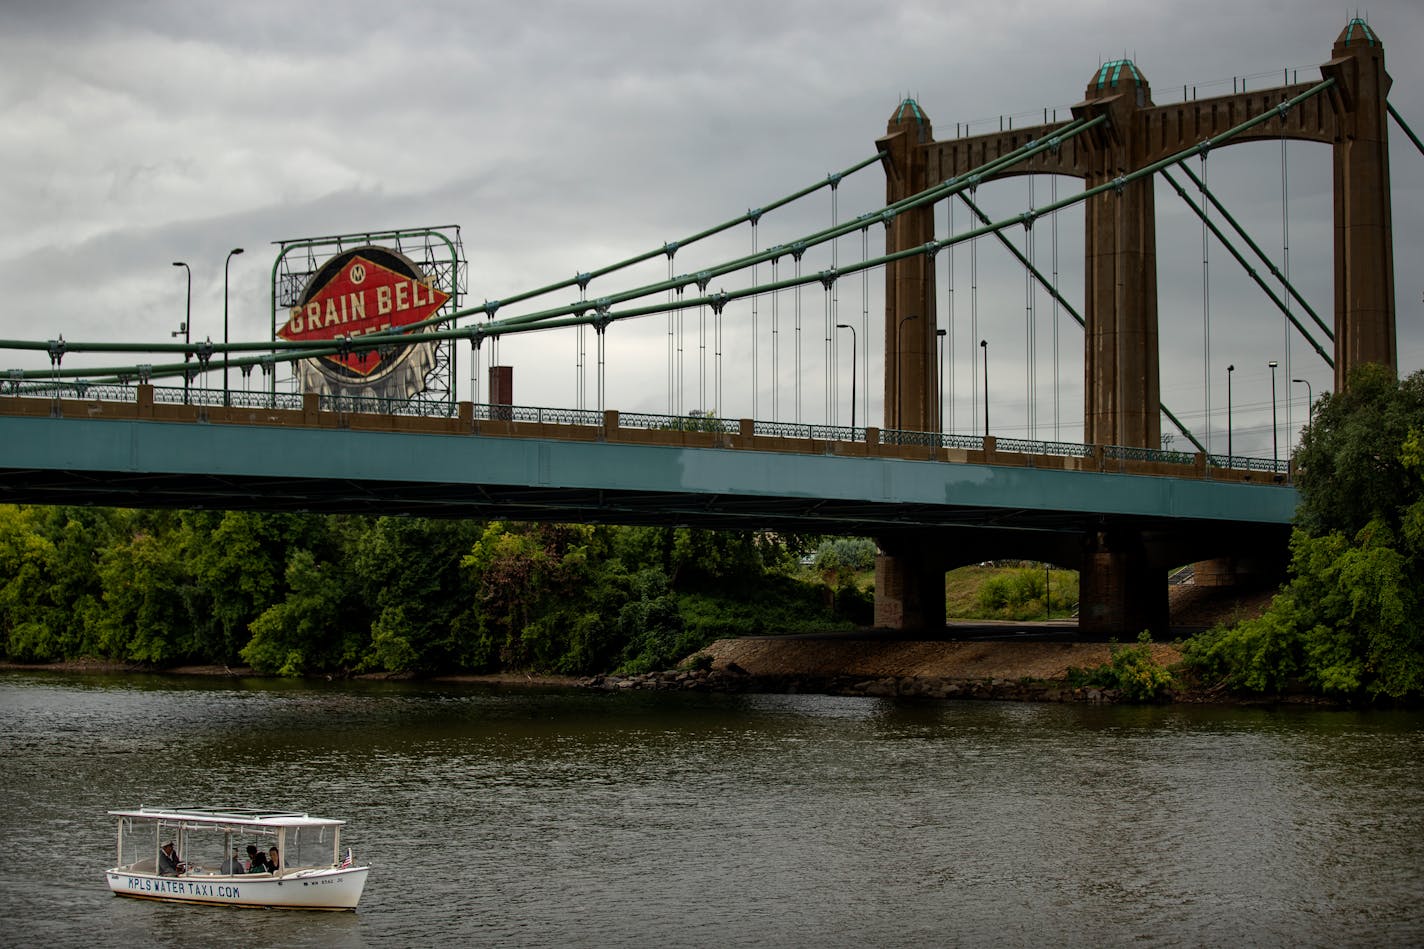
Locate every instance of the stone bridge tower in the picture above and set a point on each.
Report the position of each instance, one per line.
(1122, 569)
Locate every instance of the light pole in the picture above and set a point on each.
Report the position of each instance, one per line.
(899, 370)
(939, 380)
(1229, 370)
(847, 326)
(1309, 401)
(230, 254)
(1275, 446)
(984, 345)
(187, 328)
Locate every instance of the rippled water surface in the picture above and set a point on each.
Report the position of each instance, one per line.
(574, 818)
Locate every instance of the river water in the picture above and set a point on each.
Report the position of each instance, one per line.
(554, 818)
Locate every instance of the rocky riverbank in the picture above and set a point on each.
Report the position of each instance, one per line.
(864, 665)
(736, 679)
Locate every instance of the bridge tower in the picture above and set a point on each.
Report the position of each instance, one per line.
(1122, 405)
(909, 574)
(910, 370)
(1364, 243)
(1122, 570)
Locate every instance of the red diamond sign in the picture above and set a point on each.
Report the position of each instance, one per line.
(362, 291)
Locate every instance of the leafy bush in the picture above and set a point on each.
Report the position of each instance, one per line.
(1019, 594)
(1132, 670)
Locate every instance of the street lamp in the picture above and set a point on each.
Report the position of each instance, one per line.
(1229, 370)
(939, 379)
(899, 370)
(984, 345)
(847, 326)
(230, 254)
(1275, 446)
(187, 328)
(1309, 401)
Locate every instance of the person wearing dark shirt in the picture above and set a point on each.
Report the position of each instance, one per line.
(256, 860)
(168, 863)
(274, 863)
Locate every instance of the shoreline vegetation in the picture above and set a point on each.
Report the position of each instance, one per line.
(859, 666)
(346, 596)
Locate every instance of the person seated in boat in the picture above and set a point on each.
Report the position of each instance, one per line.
(169, 864)
(256, 860)
(233, 864)
(273, 862)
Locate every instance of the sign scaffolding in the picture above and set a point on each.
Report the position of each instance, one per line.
(346, 285)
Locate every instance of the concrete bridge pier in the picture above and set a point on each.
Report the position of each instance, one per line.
(909, 584)
(1121, 590)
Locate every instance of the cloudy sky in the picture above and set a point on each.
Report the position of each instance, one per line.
(562, 137)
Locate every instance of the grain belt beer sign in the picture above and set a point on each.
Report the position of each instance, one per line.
(366, 290)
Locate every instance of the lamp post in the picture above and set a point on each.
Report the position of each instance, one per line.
(939, 380)
(230, 254)
(1229, 370)
(984, 345)
(899, 373)
(847, 326)
(1047, 590)
(1275, 445)
(187, 328)
(1309, 401)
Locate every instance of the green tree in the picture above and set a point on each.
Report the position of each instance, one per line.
(49, 582)
(140, 615)
(1350, 463)
(316, 627)
(839, 559)
(537, 588)
(1348, 622)
(237, 569)
(408, 575)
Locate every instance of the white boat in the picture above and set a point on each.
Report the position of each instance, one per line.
(197, 855)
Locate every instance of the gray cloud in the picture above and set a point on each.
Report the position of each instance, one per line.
(564, 136)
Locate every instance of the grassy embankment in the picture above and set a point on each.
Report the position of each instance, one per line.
(997, 591)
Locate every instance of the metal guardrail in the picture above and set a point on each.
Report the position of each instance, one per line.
(1240, 463)
(250, 400)
(593, 418)
(825, 433)
(486, 412)
(894, 436)
(1127, 453)
(964, 442)
(73, 390)
(1058, 449)
(368, 405)
(678, 423)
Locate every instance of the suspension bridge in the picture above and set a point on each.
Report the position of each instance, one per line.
(1116, 505)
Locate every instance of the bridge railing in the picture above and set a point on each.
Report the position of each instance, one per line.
(649, 421)
(1154, 455)
(827, 433)
(592, 418)
(75, 390)
(896, 436)
(1024, 446)
(1242, 463)
(241, 400)
(487, 412)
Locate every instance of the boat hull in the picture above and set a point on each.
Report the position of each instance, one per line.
(329, 889)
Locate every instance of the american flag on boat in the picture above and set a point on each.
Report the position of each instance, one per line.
(346, 861)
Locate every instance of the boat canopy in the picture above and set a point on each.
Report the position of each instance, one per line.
(228, 816)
